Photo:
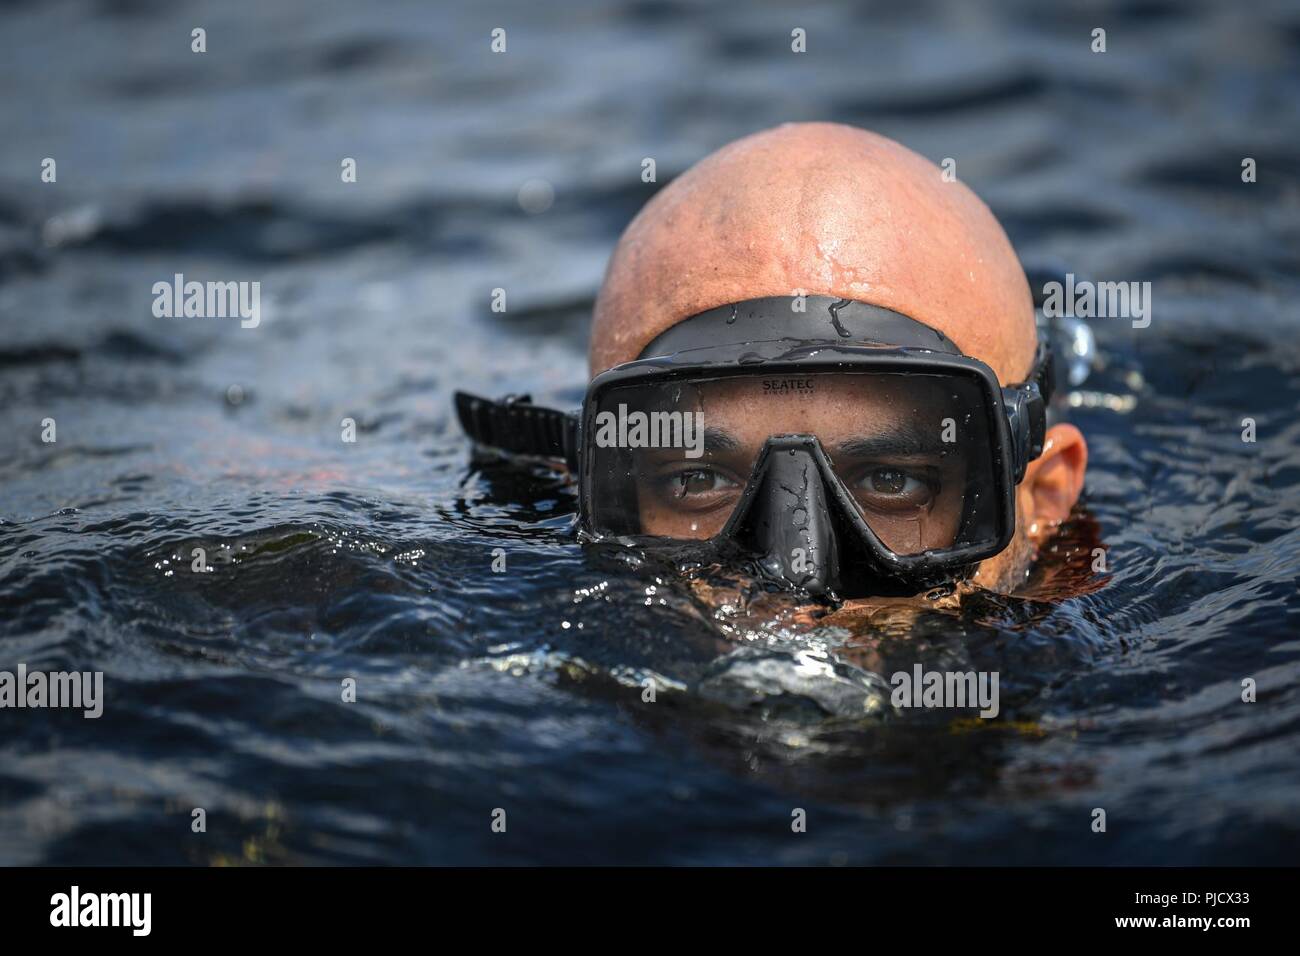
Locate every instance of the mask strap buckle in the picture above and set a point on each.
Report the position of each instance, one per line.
(1027, 419)
(1026, 410)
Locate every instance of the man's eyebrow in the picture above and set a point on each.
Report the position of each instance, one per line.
(891, 440)
(719, 439)
(715, 440)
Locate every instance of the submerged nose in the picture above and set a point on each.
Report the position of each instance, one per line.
(788, 524)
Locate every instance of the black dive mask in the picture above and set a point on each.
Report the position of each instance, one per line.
(845, 449)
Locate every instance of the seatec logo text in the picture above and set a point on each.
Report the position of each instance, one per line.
(103, 909)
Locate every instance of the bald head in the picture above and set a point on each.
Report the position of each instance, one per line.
(818, 209)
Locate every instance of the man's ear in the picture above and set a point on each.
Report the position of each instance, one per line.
(1054, 479)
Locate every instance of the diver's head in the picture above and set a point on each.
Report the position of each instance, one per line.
(819, 214)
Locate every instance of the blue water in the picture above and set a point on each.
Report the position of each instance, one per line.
(522, 690)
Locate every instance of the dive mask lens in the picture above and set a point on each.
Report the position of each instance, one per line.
(909, 454)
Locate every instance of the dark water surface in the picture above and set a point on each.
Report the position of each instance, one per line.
(522, 690)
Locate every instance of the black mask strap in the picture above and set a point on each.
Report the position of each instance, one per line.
(1043, 374)
(517, 426)
(812, 318)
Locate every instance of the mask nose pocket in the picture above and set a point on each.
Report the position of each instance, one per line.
(786, 520)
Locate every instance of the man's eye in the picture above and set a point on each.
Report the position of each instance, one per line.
(890, 481)
(698, 481)
(894, 488)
